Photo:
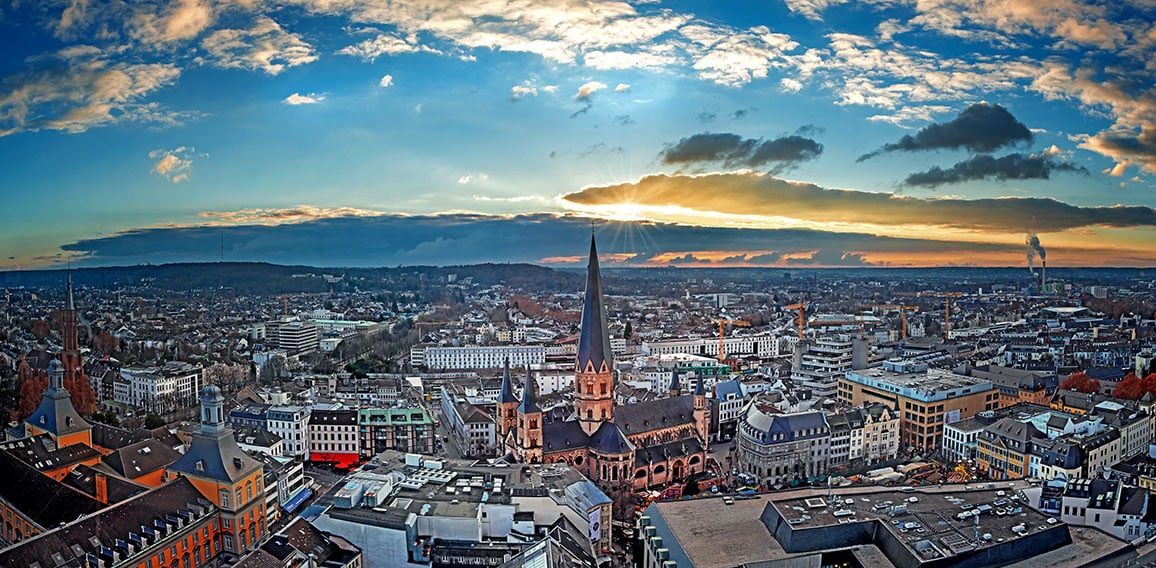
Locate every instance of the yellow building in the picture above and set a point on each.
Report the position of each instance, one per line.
(225, 475)
(56, 416)
(925, 399)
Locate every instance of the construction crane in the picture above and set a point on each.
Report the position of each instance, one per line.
(722, 323)
(902, 313)
(947, 296)
(802, 312)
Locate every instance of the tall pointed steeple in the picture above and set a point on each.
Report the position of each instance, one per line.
(507, 393)
(70, 354)
(594, 353)
(594, 366)
(675, 384)
(529, 403)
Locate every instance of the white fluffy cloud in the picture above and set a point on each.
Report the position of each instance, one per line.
(385, 44)
(588, 89)
(299, 99)
(264, 47)
(386, 81)
(173, 165)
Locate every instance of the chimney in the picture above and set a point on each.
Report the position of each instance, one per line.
(1043, 274)
(102, 488)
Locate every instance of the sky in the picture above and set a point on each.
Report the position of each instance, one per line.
(744, 133)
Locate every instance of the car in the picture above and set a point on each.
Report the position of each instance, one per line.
(1052, 520)
(965, 506)
(728, 500)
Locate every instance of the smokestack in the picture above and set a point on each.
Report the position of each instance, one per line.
(1043, 273)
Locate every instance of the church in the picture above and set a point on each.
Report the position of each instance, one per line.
(629, 447)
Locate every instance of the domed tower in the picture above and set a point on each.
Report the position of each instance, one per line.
(507, 406)
(594, 367)
(529, 423)
(701, 414)
(56, 416)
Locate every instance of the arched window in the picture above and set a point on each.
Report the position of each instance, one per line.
(604, 414)
(589, 414)
(602, 387)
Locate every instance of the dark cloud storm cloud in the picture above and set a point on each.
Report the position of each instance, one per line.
(981, 127)
(733, 150)
(1003, 168)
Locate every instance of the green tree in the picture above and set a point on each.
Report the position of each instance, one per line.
(690, 488)
(154, 420)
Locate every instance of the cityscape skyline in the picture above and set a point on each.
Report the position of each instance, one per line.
(362, 133)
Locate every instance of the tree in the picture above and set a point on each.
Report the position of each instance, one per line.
(154, 420)
(83, 397)
(1131, 388)
(628, 332)
(106, 343)
(1081, 382)
(31, 391)
(41, 329)
(690, 488)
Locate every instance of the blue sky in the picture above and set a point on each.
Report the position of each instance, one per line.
(363, 132)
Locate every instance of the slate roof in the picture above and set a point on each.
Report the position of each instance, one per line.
(635, 419)
(608, 439)
(255, 437)
(83, 479)
(44, 501)
(41, 453)
(68, 545)
(593, 336)
(56, 413)
(529, 404)
(141, 458)
(724, 389)
(565, 547)
(113, 438)
(506, 394)
(333, 417)
(563, 435)
(647, 455)
(675, 385)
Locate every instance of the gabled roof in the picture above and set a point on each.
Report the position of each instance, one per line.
(593, 336)
(651, 415)
(141, 458)
(42, 453)
(44, 501)
(215, 457)
(83, 479)
(563, 435)
(112, 438)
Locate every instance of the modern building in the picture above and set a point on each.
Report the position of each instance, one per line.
(764, 345)
(405, 429)
(291, 423)
(161, 389)
(819, 363)
(925, 399)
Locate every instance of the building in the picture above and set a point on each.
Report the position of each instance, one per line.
(726, 409)
(764, 345)
(881, 428)
(619, 448)
(171, 525)
(1015, 385)
(406, 429)
(225, 476)
(302, 545)
(820, 362)
(32, 503)
(441, 358)
(160, 389)
(291, 423)
(1003, 448)
(333, 437)
(961, 437)
(925, 399)
(55, 416)
(780, 449)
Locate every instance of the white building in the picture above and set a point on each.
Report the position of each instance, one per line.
(765, 344)
(159, 389)
(481, 356)
(821, 362)
(291, 423)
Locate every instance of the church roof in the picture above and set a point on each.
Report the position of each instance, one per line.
(650, 415)
(529, 403)
(507, 392)
(593, 337)
(56, 414)
(675, 385)
(563, 435)
(659, 453)
(698, 388)
(608, 439)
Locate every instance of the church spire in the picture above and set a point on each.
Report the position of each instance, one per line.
(507, 393)
(593, 338)
(71, 305)
(529, 397)
(675, 384)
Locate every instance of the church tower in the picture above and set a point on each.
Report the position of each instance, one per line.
(507, 406)
(701, 414)
(56, 416)
(529, 423)
(675, 384)
(594, 367)
(70, 355)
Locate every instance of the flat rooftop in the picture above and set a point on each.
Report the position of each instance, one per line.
(930, 385)
(716, 535)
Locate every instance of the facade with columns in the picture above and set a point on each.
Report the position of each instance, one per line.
(620, 448)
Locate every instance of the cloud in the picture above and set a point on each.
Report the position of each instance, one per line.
(79, 94)
(181, 20)
(706, 117)
(322, 237)
(621, 88)
(174, 165)
(386, 44)
(1003, 168)
(526, 89)
(981, 127)
(831, 257)
(588, 89)
(299, 99)
(754, 194)
(481, 176)
(264, 47)
(386, 81)
(734, 151)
